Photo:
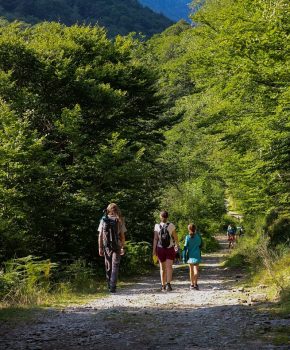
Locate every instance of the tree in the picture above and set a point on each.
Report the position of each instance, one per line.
(95, 109)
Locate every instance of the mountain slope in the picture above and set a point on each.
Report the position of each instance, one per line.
(119, 17)
(173, 9)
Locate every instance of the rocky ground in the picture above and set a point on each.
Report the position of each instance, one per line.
(218, 316)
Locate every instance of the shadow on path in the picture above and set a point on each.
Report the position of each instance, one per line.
(141, 317)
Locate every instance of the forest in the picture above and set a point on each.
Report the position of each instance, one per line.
(119, 17)
(189, 120)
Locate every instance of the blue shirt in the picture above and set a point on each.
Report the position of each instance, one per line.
(192, 247)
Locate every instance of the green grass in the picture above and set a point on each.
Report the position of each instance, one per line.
(235, 260)
(71, 299)
(282, 307)
(60, 299)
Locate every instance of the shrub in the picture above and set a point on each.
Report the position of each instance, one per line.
(245, 253)
(279, 231)
(210, 244)
(25, 280)
(236, 260)
(138, 258)
(80, 276)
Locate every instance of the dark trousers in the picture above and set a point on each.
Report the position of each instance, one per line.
(112, 264)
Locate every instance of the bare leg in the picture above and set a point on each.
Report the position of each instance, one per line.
(163, 272)
(191, 274)
(195, 274)
(169, 270)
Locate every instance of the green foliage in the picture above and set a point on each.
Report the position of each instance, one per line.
(236, 260)
(277, 227)
(279, 231)
(25, 280)
(183, 121)
(240, 66)
(138, 258)
(120, 17)
(226, 221)
(210, 244)
(267, 264)
(233, 98)
(78, 277)
(79, 126)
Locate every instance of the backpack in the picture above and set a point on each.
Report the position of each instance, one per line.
(164, 235)
(232, 231)
(110, 234)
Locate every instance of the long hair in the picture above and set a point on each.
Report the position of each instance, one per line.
(114, 210)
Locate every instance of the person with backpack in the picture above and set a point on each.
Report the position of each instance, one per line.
(112, 242)
(165, 245)
(231, 234)
(192, 254)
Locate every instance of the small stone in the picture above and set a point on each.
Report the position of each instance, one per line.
(258, 298)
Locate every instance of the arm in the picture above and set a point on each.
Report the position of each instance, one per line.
(122, 239)
(155, 241)
(100, 241)
(122, 231)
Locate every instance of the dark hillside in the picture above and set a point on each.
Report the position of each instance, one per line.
(119, 17)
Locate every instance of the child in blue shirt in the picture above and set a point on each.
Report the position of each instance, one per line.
(192, 250)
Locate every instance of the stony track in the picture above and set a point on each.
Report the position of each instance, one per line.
(218, 316)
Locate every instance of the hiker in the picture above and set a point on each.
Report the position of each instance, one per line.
(165, 245)
(192, 254)
(112, 242)
(241, 231)
(231, 234)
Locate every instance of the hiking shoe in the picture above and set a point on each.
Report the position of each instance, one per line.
(112, 289)
(196, 287)
(191, 287)
(168, 287)
(163, 289)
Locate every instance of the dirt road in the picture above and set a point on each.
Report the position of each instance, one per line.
(139, 316)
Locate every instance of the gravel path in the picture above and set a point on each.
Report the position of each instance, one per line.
(218, 316)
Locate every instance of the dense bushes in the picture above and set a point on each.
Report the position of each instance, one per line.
(82, 123)
(25, 280)
(79, 127)
(265, 263)
(138, 258)
(277, 227)
(31, 281)
(227, 80)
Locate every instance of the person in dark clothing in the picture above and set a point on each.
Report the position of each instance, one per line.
(112, 229)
